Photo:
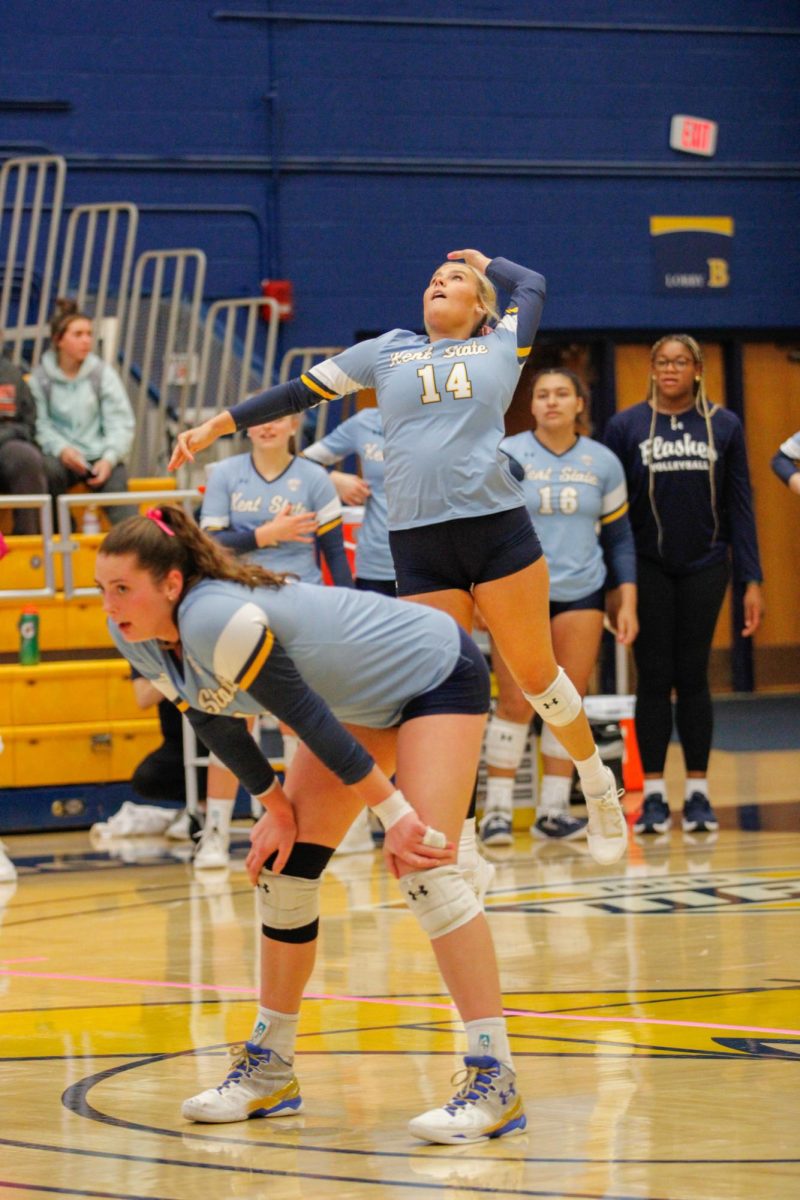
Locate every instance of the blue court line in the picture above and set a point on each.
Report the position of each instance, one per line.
(75, 1099)
(383, 1183)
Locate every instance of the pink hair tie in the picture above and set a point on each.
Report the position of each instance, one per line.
(157, 517)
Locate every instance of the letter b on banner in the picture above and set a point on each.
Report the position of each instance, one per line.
(718, 273)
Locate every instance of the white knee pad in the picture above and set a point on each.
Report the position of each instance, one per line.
(551, 746)
(505, 743)
(440, 899)
(560, 703)
(288, 907)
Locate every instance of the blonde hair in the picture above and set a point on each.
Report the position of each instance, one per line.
(706, 410)
(487, 293)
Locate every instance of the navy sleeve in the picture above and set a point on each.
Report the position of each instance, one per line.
(279, 689)
(240, 541)
(279, 401)
(783, 466)
(528, 290)
(739, 501)
(516, 468)
(619, 551)
(331, 543)
(229, 739)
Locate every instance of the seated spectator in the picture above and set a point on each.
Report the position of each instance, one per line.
(84, 419)
(22, 468)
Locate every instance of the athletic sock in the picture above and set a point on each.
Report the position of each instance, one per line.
(219, 814)
(276, 1031)
(489, 1036)
(593, 775)
(653, 787)
(554, 794)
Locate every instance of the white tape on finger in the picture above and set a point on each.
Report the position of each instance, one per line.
(433, 837)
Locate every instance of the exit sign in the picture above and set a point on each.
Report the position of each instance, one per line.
(693, 135)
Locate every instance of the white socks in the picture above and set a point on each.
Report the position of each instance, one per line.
(489, 1036)
(218, 815)
(276, 1031)
(654, 787)
(554, 794)
(499, 794)
(593, 775)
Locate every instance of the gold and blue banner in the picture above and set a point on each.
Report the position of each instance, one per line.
(692, 254)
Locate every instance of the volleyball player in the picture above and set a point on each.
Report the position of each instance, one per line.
(459, 530)
(373, 686)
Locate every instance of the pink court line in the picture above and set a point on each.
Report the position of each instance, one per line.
(402, 1003)
(35, 958)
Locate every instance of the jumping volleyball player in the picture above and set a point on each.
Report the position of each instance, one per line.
(225, 639)
(460, 532)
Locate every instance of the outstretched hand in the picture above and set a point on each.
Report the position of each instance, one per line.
(413, 842)
(192, 441)
(473, 258)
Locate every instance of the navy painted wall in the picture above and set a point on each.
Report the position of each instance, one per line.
(351, 155)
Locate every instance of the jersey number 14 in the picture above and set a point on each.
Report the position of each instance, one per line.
(458, 384)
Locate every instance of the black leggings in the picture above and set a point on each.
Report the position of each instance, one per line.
(677, 617)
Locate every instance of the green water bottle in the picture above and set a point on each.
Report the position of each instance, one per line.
(28, 626)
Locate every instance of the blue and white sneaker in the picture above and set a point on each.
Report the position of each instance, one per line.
(496, 828)
(655, 816)
(486, 1105)
(260, 1084)
(698, 815)
(559, 827)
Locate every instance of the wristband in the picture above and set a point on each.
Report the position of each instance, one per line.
(261, 797)
(392, 809)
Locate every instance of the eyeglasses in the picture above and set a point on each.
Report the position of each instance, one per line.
(680, 364)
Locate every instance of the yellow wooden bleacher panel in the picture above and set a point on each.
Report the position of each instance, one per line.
(82, 752)
(78, 624)
(52, 693)
(23, 566)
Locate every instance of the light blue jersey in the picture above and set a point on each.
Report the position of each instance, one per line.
(570, 497)
(364, 654)
(238, 497)
(362, 434)
(442, 405)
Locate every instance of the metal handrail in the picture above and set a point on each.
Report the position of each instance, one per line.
(67, 546)
(41, 502)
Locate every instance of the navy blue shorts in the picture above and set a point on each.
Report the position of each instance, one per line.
(386, 587)
(466, 689)
(461, 553)
(593, 600)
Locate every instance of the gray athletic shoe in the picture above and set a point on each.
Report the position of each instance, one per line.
(486, 1105)
(260, 1084)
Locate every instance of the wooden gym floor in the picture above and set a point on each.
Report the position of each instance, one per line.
(653, 1009)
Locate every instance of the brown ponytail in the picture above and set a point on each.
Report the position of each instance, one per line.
(172, 540)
